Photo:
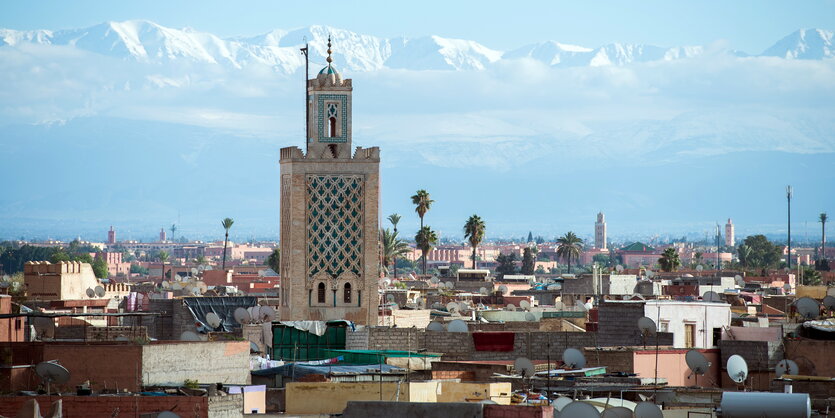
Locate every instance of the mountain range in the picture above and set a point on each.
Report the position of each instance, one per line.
(148, 42)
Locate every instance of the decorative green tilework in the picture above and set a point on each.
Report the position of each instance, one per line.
(343, 117)
(334, 224)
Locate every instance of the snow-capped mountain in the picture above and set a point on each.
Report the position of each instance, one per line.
(148, 42)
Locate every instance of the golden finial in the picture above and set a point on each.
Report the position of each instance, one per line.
(329, 59)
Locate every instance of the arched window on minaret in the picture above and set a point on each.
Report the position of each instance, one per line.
(332, 127)
(346, 296)
(320, 294)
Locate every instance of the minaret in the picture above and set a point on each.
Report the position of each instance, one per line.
(111, 236)
(162, 235)
(600, 232)
(329, 213)
(729, 234)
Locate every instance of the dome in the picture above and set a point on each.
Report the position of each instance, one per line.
(328, 76)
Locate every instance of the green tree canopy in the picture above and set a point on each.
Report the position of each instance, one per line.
(763, 253)
(528, 261)
(506, 264)
(568, 247)
(474, 233)
(274, 260)
(393, 247)
(669, 260)
(425, 239)
(423, 202)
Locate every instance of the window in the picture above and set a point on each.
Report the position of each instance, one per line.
(332, 114)
(320, 296)
(664, 326)
(346, 296)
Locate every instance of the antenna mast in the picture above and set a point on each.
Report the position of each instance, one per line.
(306, 99)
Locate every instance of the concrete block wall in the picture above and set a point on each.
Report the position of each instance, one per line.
(356, 340)
(229, 406)
(100, 406)
(207, 362)
(761, 356)
(618, 326)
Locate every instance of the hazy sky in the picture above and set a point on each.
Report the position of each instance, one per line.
(750, 25)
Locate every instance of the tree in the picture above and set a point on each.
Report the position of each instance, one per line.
(425, 239)
(163, 257)
(528, 261)
(422, 203)
(173, 230)
(743, 253)
(822, 219)
(394, 219)
(226, 223)
(506, 264)
(764, 253)
(392, 247)
(530, 236)
(669, 260)
(568, 247)
(274, 260)
(810, 276)
(100, 266)
(474, 232)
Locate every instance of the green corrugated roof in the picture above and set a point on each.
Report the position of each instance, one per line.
(637, 246)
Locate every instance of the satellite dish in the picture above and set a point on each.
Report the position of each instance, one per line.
(829, 302)
(502, 289)
(561, 402)
(807, 307)
(787, 287)
(711, 296)
(449, 285)
(253, 348)
(524, 367)
(511, 307)
(165, 284)
(554, 287)
(617, 412)
(202, 286)
(451, 306)
(700, 267)
(195, 291)
(213, 320)
(573, 358)
(619, 268)
(737, 368)
(463, 307)
(643, 287)
(167, 414)
(91, 293)
(579, 409)
(524, 304)
(530, 317)
(580, 305)
(254, 313)
(786, 367)
(648, 410)
(559, 305)
(457, 325)
(650, 274)
(435, 326)
(267, 314)
(189, 336)
(434, 280)
(647, 326)
(176, 286)
(44, 326)
(697, 362)
(739, 281)
(484, 291)
(390, 297)
(52, 372)
(242, 316)
(194, 271)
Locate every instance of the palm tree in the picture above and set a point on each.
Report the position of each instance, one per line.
(422, 203)
(474, 232)
(173, 230)
(744, 253)
(669, 260)
(425, 239)
(823, 218)
(392, 247)
(569, 247)
(227, 223)
(394, 219)
(163, 256)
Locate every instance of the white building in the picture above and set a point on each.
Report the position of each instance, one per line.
(693, 324)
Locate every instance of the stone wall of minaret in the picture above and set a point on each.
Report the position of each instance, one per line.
(600, 232)
(729, 234)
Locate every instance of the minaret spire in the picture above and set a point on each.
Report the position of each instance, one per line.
(329, 59)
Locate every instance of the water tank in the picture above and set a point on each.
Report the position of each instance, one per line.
(765, 405)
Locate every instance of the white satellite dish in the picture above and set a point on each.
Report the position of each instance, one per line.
(435, 326)
(511, 307)
(530, 317)
(463, 307)
(700, 267)
(524, 304)
(711, 296)
(189, 336)
(242, 316)
(267, 314)
(786, 367)
(457, 325)
(449, 285)
(697, 362)
(213, 320)
(648, 410)
(580, 305)
(619, 268)
(579, 409)
(829, 302)
(202, 286)
(562, 401)
(617, 412)
(573, 358)
(647, 326)
(451, 306)
(51, 372)
(194, 271)
(807, 307)
(524, 367)
(559, 305)
(91, 293)
(483, 291)
(195, 291)
(737, 368)
(502, 289)
(165, 284)
(254, 313)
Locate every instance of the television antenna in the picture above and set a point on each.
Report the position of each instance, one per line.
(435, 326)
(573, 358)
(807, 307)
(213, 320)
(697, 363)
(579, 409)
(648, 409)
(457, 325)
(711, 296)
(52, 372)
(737, 369)
(524, 367)
(786, 366)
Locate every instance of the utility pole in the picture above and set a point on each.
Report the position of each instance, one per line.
(789, 193)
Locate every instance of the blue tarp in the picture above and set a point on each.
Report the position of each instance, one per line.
(300, 370)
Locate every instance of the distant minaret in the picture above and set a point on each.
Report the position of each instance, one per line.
(162, 235)
(729, 233)
(600, 232)
(111, 236)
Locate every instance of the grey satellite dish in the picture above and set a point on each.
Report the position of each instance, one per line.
(700, 267)
(253, 348)
(502, 289)
(437, 305)
(242, 316)
(484, 291)
(617, 412)
(91, 293)
(619, 268)
(647, 326)
(462, 306)
(524, 367)
(267, 314)
(511, 307)
(829, 302)
(554, 287)
(51, 372)
(739, 281)
(648, 410)
(213, 320)
(787, 287)
(807, 307)
(449, 285)
(580, 305)
(435, 326)
(44, 326)
(167, 414)
(390, 298)
(579, 409)
(530, 317)
(451, 306)
(561, 402)
(573, 358)
(457, 325)
(786, 367)
(189, 336)
(697, 362)
(711, 296)
(737, 368)
(524, 304)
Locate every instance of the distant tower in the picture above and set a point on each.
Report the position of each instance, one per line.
(600, 232)
(729, 233)
(162, 235)
(111, 236)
